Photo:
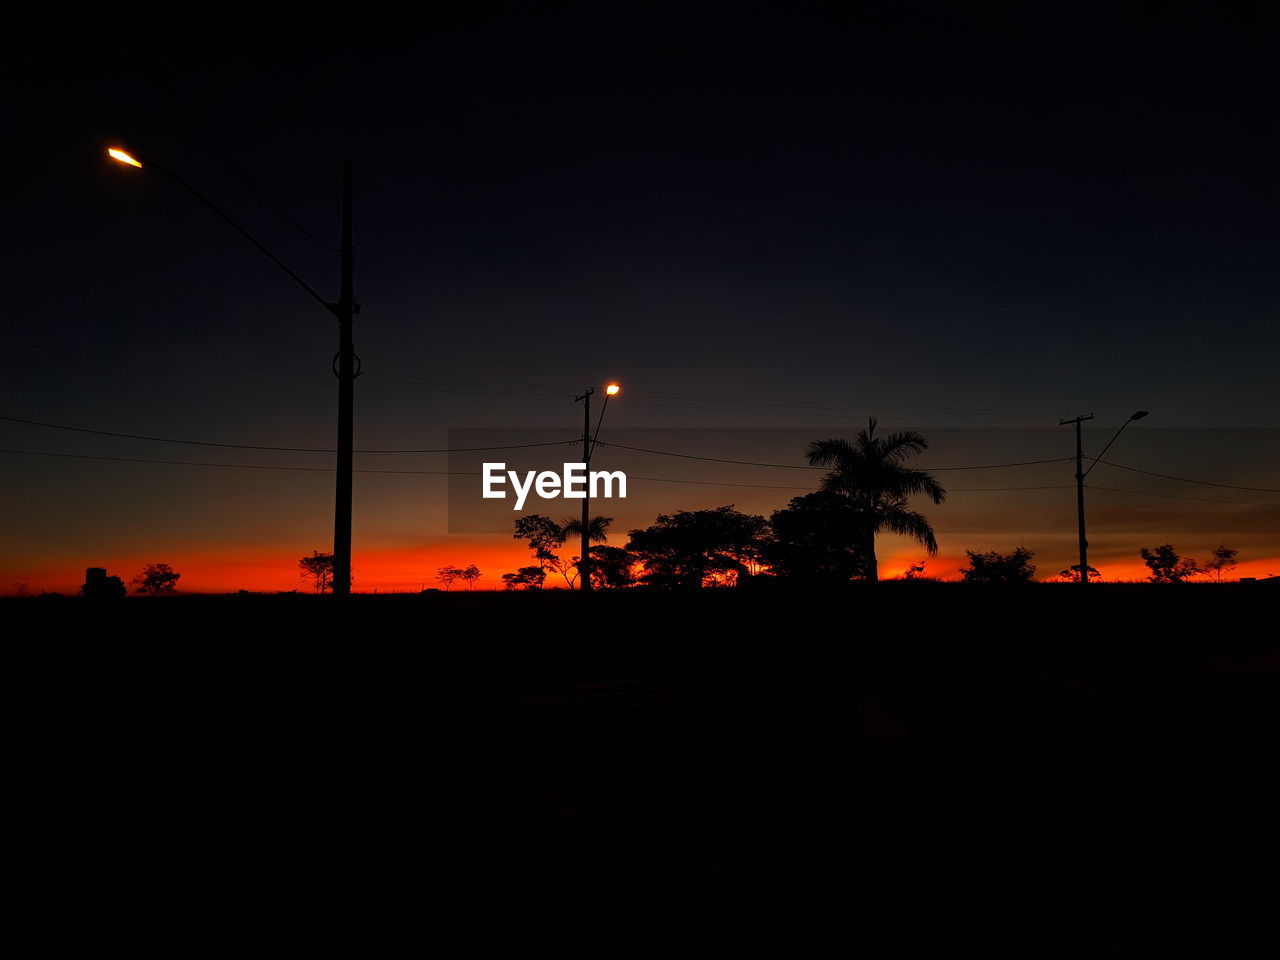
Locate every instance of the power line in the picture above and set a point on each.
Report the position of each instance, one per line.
(828, 414)
(513, 446)
(267, 200)
(1205, 483)
(794, 466)
(1050, 486)
(250, 446)
(1174, 496)
(211, 463)
(605, 443)
(996, 466)
(718, 483)
(691, 456)
(439, 473)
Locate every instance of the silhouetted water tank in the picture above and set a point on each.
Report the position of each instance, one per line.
(98, 586)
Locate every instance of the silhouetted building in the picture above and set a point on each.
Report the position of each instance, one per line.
(98, 586)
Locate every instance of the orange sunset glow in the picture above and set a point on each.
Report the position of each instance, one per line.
(411, 569)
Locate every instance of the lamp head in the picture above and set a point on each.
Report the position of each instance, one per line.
(1139, 415)
(120, 155)
(612, 389)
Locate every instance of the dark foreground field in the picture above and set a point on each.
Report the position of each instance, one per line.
(905, 770)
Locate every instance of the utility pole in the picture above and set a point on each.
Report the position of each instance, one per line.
(584, 564)
(1084, 544)
(345, 369)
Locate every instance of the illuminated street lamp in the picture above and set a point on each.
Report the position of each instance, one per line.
(123, 157)
(1081, 473)
(345, 362)
(588, 445)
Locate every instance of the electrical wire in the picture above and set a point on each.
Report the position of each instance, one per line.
(438, 473)
(267, 200)
(620, 446)
(1174, 496)
(794, 466)
(210, 463)
(250, 446)
(1205, 483)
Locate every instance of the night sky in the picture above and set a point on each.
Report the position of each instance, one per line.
(792, 216)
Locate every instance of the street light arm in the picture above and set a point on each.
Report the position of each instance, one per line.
(243, 232)
(1108, 446)
(604, 406)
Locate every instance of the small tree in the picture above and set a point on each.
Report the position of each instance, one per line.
(612, 567)
(1072, 574)
(470, 575)
(544, 536)
(993, 567)
(156, 579)
(1166, 566)
(1224, 559)
(914, 571)
(531, 578)
(319, 568)
(448, 576)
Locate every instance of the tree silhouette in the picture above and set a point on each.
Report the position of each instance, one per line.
(612, 567)
(470, 574)
(544, 536)
(818, 538)
(1224, 559)
(531, 578)
(871, 472)
(993, 567)
(156, 579)
(914, 571)
(447, 576)
(319, 568)
(1166, 566)
(597, 532)
(688, 548)
(597, 528)
(1072, 574)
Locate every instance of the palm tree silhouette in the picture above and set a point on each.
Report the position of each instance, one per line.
(871, 472)
(597, 529)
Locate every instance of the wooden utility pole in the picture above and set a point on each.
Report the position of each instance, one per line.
(584, 564)
(1084, 544)
(345, 369)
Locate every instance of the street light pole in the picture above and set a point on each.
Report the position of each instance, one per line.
(588, 446)
(584, 562)
(345, 310)
(345, 363)
(1084, 544)
(1081, 473)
